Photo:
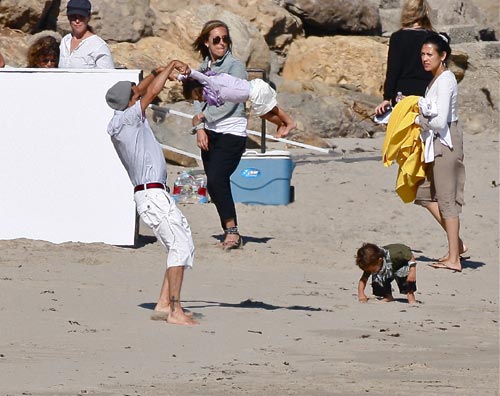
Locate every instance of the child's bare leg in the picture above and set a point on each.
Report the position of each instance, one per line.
(280, 118)
(388, 298)
(411, 298)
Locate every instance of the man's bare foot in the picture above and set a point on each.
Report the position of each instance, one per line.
(161, 313)
(285, 129)
(179, 317)
(463, 250)
(447, 265)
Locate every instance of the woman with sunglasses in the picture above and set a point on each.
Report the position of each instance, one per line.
(222, 134)
(82, 49)
(44, 52)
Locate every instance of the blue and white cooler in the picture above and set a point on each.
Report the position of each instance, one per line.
(263, 178)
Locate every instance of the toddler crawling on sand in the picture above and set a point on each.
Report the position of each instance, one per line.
(385, 264)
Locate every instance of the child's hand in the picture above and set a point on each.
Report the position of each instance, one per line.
(182, 67)
(362, 299)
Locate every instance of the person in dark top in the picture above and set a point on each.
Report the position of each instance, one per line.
(405, 72)
(385, 264)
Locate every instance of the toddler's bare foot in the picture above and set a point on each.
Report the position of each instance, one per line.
(285, 129)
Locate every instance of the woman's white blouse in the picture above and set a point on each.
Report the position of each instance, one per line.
(441, 107)
(91, 53)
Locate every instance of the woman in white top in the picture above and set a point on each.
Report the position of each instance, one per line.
(443, 194)
(82, 49)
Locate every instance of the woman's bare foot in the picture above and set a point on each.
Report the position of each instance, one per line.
(463, 250)
(447, 265)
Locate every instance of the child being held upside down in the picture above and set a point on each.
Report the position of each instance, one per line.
(217, 88)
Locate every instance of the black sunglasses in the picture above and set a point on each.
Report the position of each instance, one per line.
(216, 40)
(74, 17)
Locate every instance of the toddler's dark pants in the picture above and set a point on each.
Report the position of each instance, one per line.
(404, 287)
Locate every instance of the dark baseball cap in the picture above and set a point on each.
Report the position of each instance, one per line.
(78, 7)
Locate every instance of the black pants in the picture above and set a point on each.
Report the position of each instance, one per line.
(220, 161)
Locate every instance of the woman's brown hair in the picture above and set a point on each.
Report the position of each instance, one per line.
(42, 48)
(199, 44)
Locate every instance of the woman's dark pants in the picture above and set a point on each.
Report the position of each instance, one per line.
(220, 161)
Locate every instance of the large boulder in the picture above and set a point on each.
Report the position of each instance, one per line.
(151, 52)
(29, 16)
(116, 20)
(336, 16)
(248, 44)
(14, 47)
(352, 60)
(278, 26)
(478, 93)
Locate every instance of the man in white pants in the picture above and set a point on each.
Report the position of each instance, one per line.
(143, 159)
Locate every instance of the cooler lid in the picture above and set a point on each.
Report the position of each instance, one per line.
(267, 154)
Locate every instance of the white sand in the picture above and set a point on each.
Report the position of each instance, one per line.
(74, 318)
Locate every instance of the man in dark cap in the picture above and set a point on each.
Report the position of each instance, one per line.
(144, 161)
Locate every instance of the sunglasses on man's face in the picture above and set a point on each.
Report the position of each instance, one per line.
(216, 40)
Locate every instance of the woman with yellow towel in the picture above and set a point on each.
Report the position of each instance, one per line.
(443, 148)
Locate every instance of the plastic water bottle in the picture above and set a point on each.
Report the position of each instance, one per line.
(183, 187)
(399, 97)
(190, 187)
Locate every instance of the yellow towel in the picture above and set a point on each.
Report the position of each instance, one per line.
(402, 144)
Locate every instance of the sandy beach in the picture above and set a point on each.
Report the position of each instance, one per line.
(278, 317)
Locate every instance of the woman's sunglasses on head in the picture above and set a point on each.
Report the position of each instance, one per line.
(216, 40)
